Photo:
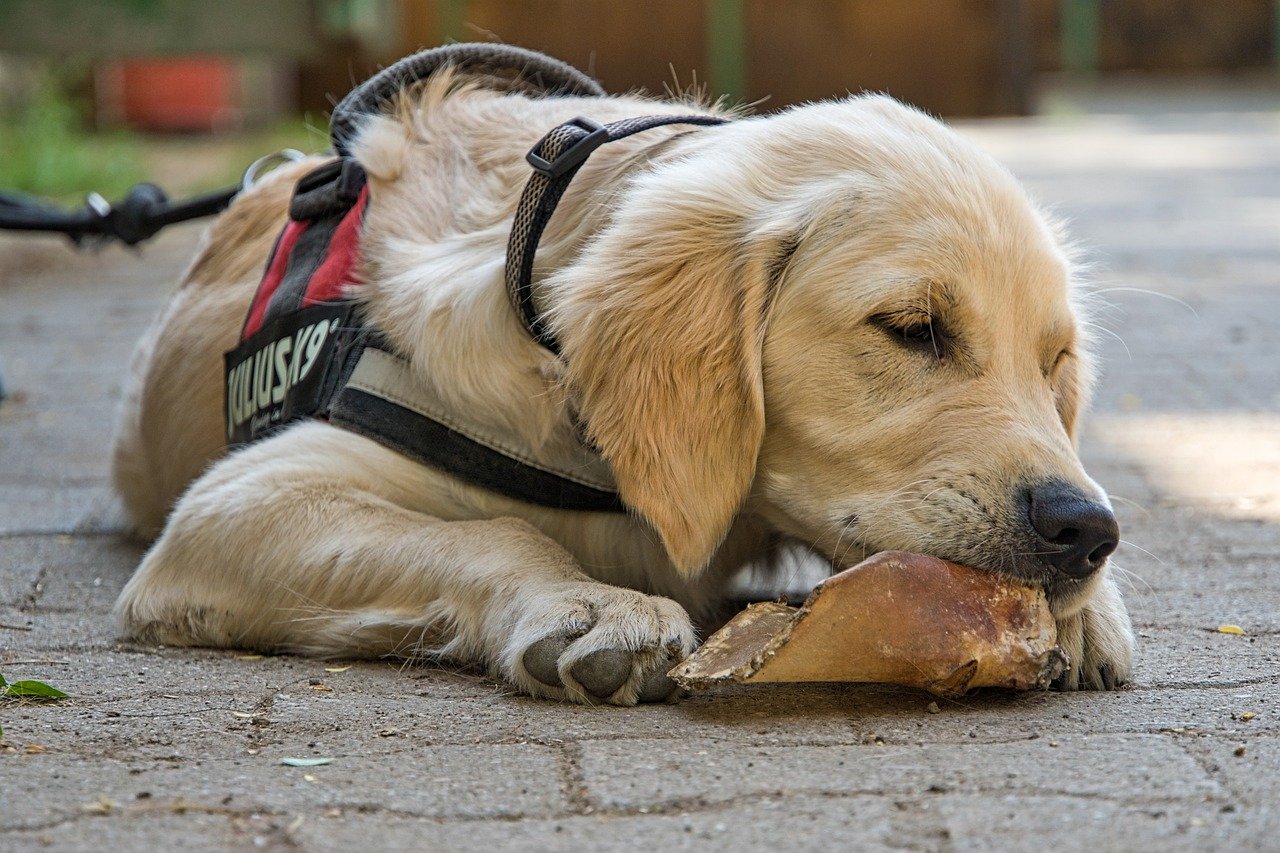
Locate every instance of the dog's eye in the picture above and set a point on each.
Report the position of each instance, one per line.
(1057, 363)
(921, 335)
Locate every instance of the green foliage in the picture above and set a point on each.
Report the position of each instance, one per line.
(49, 154)
(28, 689)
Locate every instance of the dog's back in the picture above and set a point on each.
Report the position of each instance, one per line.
(171, 418)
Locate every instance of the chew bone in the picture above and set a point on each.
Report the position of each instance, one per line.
(898, 618)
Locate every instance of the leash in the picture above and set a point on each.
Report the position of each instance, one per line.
(139, 216)
(146, 209)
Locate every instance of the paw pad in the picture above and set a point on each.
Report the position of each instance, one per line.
(601, 673)
(540, 659)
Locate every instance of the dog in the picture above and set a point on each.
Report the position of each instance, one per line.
(839, 324)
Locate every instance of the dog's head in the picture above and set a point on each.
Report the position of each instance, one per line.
(847, 319)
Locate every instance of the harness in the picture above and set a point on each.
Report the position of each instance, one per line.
(306, 352)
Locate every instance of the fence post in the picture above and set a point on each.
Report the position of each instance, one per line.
(1080, 36)
(451, 20)
(726, 48)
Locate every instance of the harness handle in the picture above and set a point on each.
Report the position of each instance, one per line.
(511, 67)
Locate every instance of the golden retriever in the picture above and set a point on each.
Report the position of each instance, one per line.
(840, 323)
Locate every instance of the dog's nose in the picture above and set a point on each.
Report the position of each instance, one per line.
(1080, 532)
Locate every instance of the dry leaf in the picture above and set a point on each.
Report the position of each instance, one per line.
(336, 668)
(1230, 629)
(35, 749)
(244, 715)
(102, 806)
(249, 657)
(1247, 716)
(323, 688)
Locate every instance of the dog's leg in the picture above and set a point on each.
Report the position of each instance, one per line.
(309, 553)
(1099, 640)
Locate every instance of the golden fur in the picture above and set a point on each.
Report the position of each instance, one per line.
(712, 291)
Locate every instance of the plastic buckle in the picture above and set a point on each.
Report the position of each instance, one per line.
(350, 180)
(574, 155)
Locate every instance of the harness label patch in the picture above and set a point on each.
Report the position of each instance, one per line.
(283, 372)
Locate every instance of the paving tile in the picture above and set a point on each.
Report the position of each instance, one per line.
(64, 572)
(1253, 775)
(484, 780)
(136, 825)
(1204, 658)
(44, 507)
(1107, 766)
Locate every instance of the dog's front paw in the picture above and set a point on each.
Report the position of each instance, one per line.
(593, 643)
(1099, 640)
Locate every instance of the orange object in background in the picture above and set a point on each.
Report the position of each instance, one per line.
(191, 93)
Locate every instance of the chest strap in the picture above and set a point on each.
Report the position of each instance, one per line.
(555, 160)
(383, 400)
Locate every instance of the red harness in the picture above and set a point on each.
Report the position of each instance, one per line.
(335, 272)
(298, 339)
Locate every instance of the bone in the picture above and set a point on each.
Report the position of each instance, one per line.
(896, 618)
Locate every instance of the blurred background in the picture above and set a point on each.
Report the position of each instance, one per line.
(98, 95)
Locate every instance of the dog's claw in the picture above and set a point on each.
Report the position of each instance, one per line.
(658, 686)
(540, 659)
(602, 672)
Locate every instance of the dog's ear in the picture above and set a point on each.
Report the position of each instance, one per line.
(662, 324)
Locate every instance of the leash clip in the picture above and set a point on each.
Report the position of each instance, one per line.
(574, 155)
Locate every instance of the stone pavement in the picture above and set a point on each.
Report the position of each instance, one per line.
(176, 749)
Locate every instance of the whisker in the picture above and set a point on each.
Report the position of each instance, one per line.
(1130, 577)
(1102, 328)
(1143, 550)
(1132, 503)
(1145, 292)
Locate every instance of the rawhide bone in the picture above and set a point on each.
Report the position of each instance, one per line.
(895, 617)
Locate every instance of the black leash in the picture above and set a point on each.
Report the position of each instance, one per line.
(146, 209)
(139, 216)
(143, 212)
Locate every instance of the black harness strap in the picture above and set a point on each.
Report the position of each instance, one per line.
(382, 399)
(555, 160)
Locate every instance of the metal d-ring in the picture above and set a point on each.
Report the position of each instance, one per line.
(268, 162)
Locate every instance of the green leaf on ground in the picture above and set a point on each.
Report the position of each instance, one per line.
(305, 762)
(27, 689)
(34, 689)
